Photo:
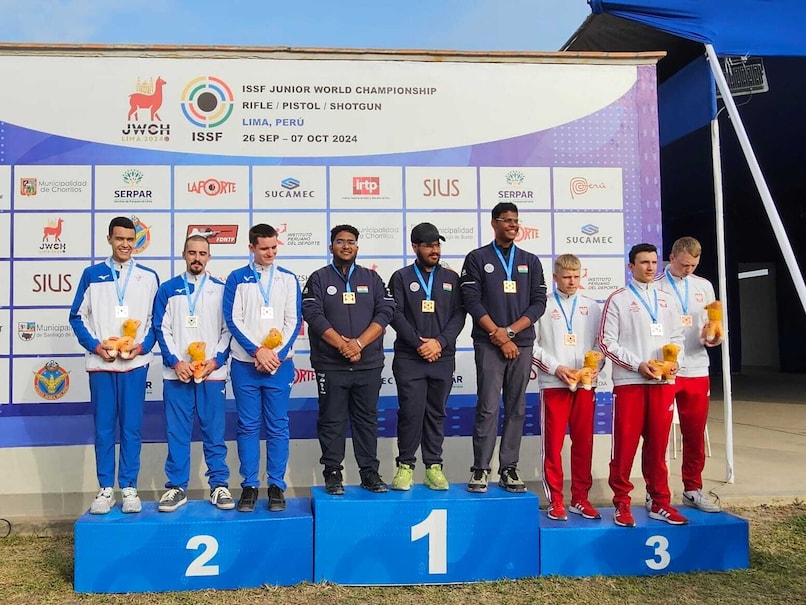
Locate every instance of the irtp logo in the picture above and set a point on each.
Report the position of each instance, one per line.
(26, 330)
(366, 185)
(142, 235)
(51, 381)
(215, 234)
(28, 186)
(212, 187)
(52, 229)
(589, 229)
(207, 102)
(148, 96)
(580, 186)
(290, 183)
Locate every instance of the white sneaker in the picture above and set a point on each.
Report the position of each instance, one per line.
(103, 502)
(221, 498)
(131, 501)
(696, 499)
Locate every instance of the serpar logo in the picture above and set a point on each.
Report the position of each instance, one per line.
(51, 233)
(514, 178)
(212, 187)
(26, 330)
(580, 186)
(207, 102)
(147, 97)
(142, 235)
(290, 183)
(133, 193)
(589, 229)
(28, 186)
(367, 185)
(51, 381)
(132, 177)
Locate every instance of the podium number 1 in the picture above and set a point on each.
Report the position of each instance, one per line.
(435, 526)
(198, 566)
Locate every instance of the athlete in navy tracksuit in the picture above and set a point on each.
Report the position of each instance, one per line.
(108, 294)
(428, 319)
(347, 308)
(188, 309)
(503, 289)
(257, 298)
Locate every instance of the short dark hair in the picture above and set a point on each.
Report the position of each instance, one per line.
(261, 230)
(637, 248)
(121, 221)
(339, 228)
(502, 207)
(195, 238)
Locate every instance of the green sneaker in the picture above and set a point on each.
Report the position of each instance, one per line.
(404, 478)
(435, 478)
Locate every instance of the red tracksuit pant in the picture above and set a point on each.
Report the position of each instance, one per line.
(561, 409)
(641, 411)
(692, 409)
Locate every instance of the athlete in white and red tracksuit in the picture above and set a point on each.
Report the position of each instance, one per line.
(692, 387)
(567, 330)
(636, 322)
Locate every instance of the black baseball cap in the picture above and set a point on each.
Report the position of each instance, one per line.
(425, 233)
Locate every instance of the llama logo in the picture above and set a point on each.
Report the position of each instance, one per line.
(51, 237)
(143, 119)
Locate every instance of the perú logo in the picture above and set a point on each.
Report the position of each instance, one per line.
(580, 186)
(211, 187)
(51, 381)
(525, 233)
(148, 96)
(303, 375)
(514, 178)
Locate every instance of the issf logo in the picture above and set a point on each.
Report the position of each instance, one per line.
(207, 102)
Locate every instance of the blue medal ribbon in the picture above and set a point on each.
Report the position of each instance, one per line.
(683, 302)
(507, 267)
(569, 320)
(192, 300)
(426, 288)
(349, 274)
(121, 291)
(654, 315)
(266, 293)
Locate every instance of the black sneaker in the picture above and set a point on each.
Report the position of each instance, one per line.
(511, 481)
(333, 482)
(248, 500)
(276, 499)
(371, 480)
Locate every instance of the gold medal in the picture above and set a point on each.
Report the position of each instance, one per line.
(570, 340)
(510, 286)
(687, 321)
(428, 306)
(348, 298)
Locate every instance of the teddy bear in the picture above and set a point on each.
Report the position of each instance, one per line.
(714, 331)
(584, 375)
(273, 339)
(123, 345)
(198, 355)
(662, 369)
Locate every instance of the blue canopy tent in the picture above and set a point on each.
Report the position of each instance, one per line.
(695, 33)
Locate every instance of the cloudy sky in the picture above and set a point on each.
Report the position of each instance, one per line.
(432, 24)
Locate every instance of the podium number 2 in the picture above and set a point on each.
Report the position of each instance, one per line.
(435, 526)
(199, 567)
(663, 558)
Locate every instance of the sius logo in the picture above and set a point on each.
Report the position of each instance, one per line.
(589, 229)
(366, 185)
(52, 282)
(290, 183)
(441, 188)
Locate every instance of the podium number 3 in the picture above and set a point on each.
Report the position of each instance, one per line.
(435, 527)
(663, 558)
(199, 567)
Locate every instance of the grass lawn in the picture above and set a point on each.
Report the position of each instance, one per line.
(39, 570)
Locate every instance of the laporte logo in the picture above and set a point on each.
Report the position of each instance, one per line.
(51, 381)
(212, 187)
(525, 233)
(303, 375)
(215, 234)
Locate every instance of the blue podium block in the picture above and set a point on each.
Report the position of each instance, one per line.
(582, 547)
(423, 536)
(196, 547)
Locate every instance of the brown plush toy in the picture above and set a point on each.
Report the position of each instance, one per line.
(584, 375)
(662, 369)
(714, 331)
(124, 344)
(198, 355)
(273, 339)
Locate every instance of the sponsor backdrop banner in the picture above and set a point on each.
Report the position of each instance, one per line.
(189, 146)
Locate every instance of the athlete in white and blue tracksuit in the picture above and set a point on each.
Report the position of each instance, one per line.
(107, 292)
(188, 308)
(258, 297)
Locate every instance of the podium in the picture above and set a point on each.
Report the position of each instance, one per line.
(194, 548)
(423, 536)
(582, 547)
